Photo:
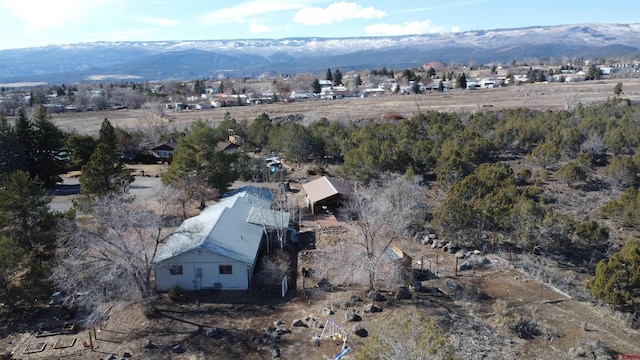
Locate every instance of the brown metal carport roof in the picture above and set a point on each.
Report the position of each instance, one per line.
(325, 187)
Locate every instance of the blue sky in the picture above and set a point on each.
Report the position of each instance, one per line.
(30, 23)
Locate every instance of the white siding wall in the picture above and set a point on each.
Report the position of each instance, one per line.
(210, 265)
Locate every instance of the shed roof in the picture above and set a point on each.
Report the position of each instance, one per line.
(169, 145)
(325, 187)
(225, 228)
(226, 145)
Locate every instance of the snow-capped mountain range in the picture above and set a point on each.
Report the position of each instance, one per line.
(161, 60)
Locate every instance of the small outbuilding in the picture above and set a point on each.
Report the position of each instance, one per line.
(325, 193)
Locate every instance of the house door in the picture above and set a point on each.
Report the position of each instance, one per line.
(198, 278)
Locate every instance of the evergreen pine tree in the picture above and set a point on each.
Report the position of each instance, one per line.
(104, 173)
(329, 75)
(47, 161)
(316, 86)
(617, 280)
(337, 77)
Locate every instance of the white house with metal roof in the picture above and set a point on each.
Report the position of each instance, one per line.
(219, 248)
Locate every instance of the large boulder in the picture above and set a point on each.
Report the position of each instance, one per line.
(147, 344)
(360, 331)
(375, 295)
(178, 349)
(452, 284)
(371, 308)
(298, 323)
(474, 262)
(350, 315)
(213, 332)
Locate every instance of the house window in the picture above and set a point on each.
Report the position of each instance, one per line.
(226, 270)
(175, 270)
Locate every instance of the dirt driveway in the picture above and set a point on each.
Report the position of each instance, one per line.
(145, 186)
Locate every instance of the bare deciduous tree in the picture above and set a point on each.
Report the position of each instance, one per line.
(382, 213)
(106, 254)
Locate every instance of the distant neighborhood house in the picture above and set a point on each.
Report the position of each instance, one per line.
(219, 248)
(165, 150)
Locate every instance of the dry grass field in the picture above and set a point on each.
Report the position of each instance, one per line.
(551, 96)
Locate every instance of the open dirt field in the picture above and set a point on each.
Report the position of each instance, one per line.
(555, 96)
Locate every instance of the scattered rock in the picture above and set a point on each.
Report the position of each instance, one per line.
(126, 354)
(275, 352)
(298, 323)
(416, 286)
(452, 284)
(577, 352)
(213, 332)
(111, 357)
(360, 331)
(375, 295)
(433, 290)
(403, 293)
(278, 323)
(326, 311)
(178, 349)
(474, 262)
(355, 298)
(450, 248)
(350, 315)
(372, 308)
(309, 319)
(148, 344)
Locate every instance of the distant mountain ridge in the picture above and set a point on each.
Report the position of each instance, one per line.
(160, 60)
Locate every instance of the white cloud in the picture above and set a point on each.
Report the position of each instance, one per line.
(240, 13)
(336, 12)
(407, 28)
(160, 21)
(260, 28)
(38, 14)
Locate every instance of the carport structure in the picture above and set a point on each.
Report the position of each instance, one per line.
(325, 193)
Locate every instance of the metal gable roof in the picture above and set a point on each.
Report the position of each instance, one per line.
(325, 187)
(223, 228)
